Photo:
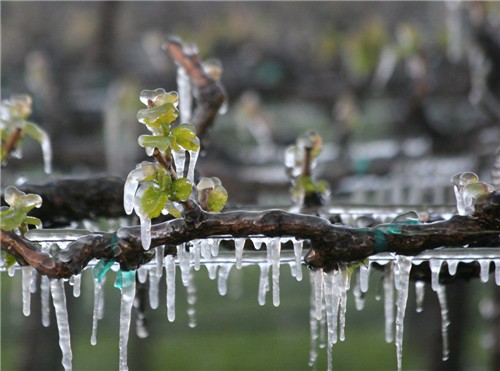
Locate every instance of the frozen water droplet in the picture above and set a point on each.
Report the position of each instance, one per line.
(404, 265)
(358, 294)
(212, 270)
(452, 266)
(222, 279)
(153, 288)
(142, 274)
(77, 285)
(59, 301)
(170, 278)
(420, 293)
(45, 300)
(445, 322)
(26, 283)
(263, 282)
(126, 304)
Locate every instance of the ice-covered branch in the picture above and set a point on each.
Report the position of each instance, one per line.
(330, 243)
(207, 92)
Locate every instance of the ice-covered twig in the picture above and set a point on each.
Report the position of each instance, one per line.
(208, 93)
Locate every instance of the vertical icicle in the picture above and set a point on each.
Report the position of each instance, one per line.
(314, 328)
(222, 279)
(26, 280)
(153, 288)
(497, 272)
(239, 244)
(159, 261)
(445, 322)
(485, 269)
(184, 263)
(77, 282)
(34, 280)
(185, 94)
(142, 274)
(435, 265)
(344, 285)
(191, 299)
(127, 287)
(45, 300)
(404, 265)
(318, 283)
(195, 253)
(389, 301)
(358, 294)
(179, 159)
(419, 293)
(452, 266)
(59, 301)
(275, 248)
(193, 157)
(95, 312)
(263, 282)
(364, 276)
(170, 277)
(297, 250)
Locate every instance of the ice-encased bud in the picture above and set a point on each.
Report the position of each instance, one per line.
(460, 180)
(148, 96)
(20, 200)
(472, 192)
(18, 107)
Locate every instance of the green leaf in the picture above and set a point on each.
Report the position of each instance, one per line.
(164, 180)
(152, 201)
(217, 199)
(20, 200)
(11, 218)
(172, 210)
(34, 131)
(10, 260)
(181, 189)
(154, 141)
(185, 136)
(31, 220)
(155, 117)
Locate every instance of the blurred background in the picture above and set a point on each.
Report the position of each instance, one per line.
(404, 94)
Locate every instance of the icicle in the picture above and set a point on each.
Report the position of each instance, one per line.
(239, 244)
(193, 157)
(12, 270)
(212, 270)
(445, 322)
(77, 282)
(195, 253)
(364, 276)
(205, 249)
(263, 282)
(153, 289)
(222, 279)
(191, 299)
(184, 263)
(358, 294)
(332, 293)
(452, 266)
(44, 297)
(214, 246)
(159, 261)
(185, 94)
(257, 242)
(318, 282)
(33, 285)
(26, 279)
(126, 283)
(485, 269)
(297, 250)
(404, 264)
(145, 231)
(435, 265)
(142, 274)
(419, 293)
(95, 312)
(389, 301)
(275, 248)
(497, 272)
(343, 288)
(179, 159)
(59, 301)
(44, 140)
(170, 277)
(313, 352)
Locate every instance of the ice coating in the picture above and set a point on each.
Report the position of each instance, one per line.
(445, 322)
(460, 180)
(45, 300)
(170, 280)
(130, 188)
(435, 265)
(404, 265)
(126, 304)
(26, 284)
(59, 301)
(419, 294)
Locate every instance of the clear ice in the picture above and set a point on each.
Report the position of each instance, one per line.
(404, 267)
(170, 280)
(445, 322)
(59, 301)
(26, 279)
(153, 288)
(45, 300)
(126, 283)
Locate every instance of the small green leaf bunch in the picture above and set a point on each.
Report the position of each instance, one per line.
(14, 127)
(212, 196)
(154, 188)
(15, 216)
